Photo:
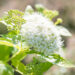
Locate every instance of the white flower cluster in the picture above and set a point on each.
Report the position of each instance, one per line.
(41, 34)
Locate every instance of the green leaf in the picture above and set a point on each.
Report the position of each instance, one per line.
(2, 42)
(20, 67)
(66, 64)
(55, 59)
(16, 58)
(5, 52)
(5, 69)
(19, 55)
(37, 68)
(7, 43)
(60, 61)
(6, 49)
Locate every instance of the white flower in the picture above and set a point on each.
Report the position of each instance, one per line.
(41, 34)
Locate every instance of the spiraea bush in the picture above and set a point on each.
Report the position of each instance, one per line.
(31, 32)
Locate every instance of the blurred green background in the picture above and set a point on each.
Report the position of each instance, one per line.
(66, 9)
